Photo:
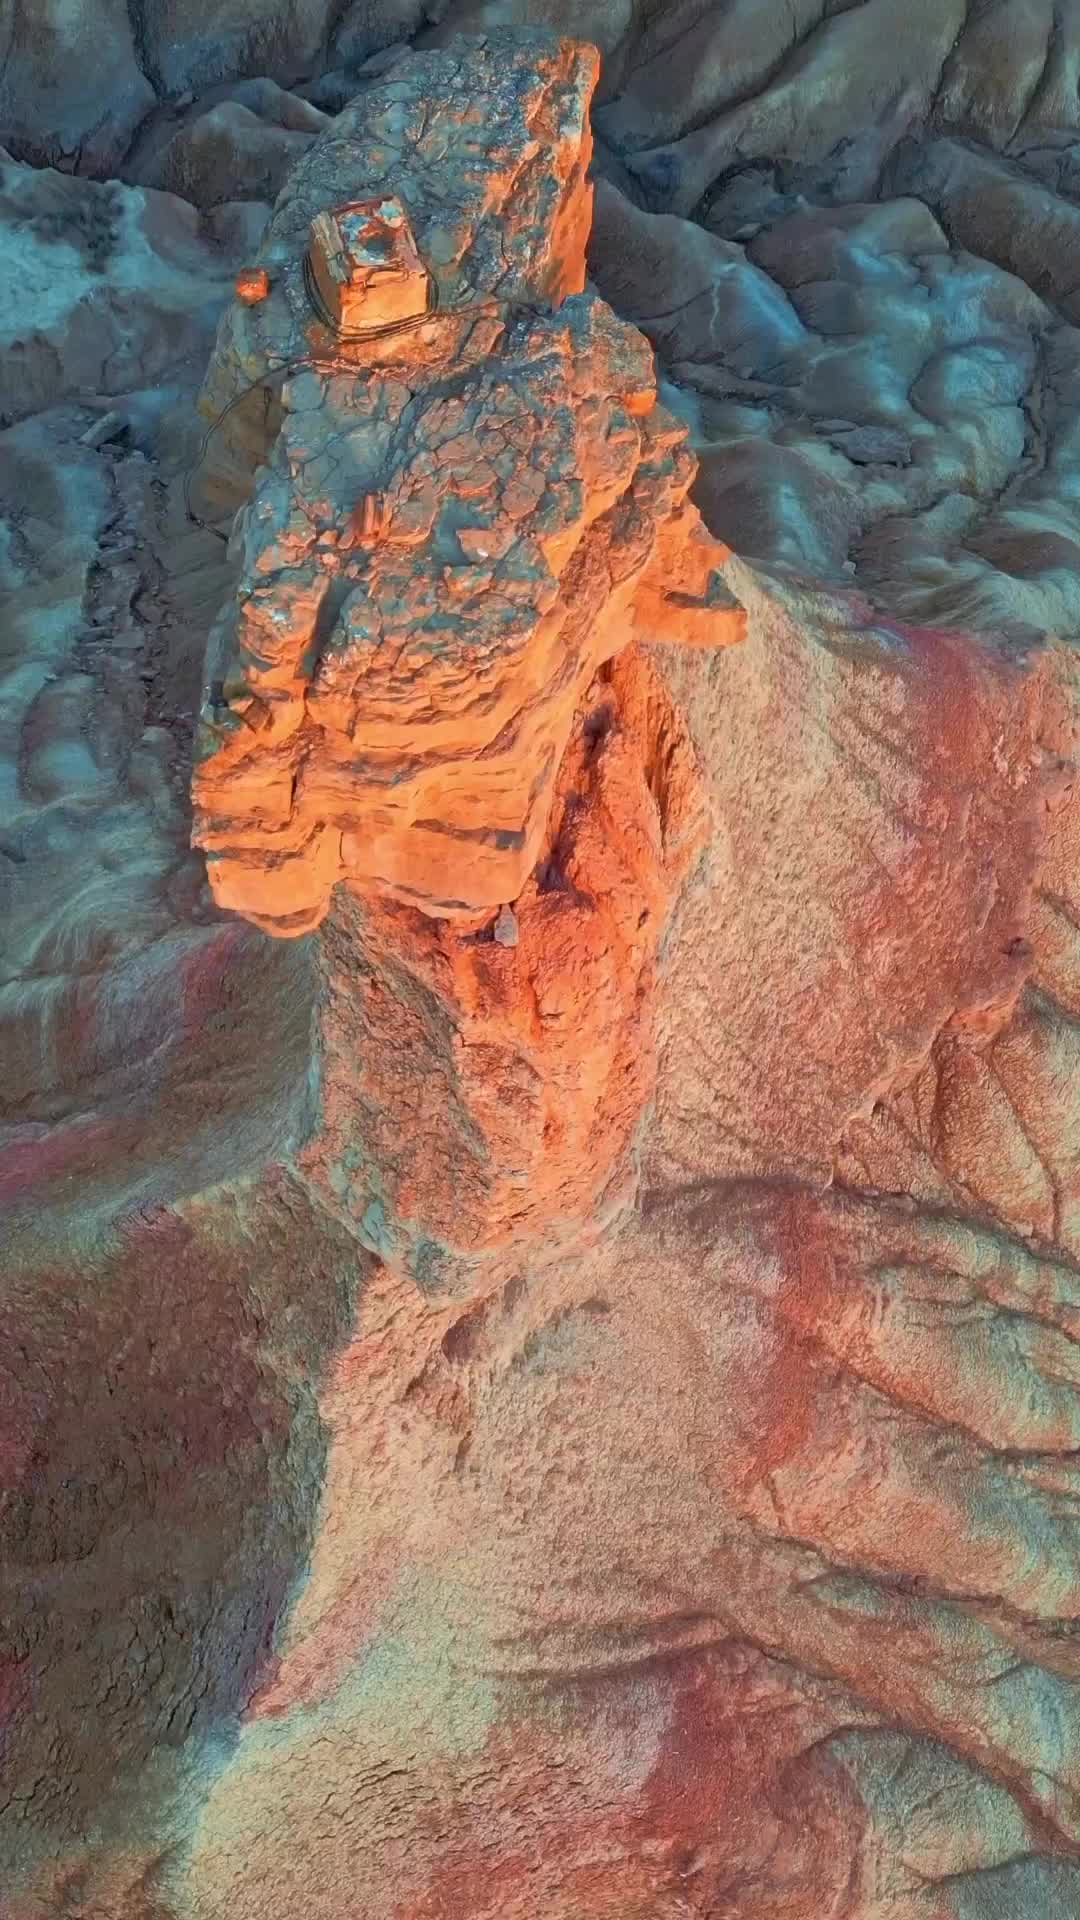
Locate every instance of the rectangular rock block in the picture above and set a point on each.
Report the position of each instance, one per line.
(364, 263)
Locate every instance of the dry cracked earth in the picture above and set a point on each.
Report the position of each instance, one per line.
(587, 1428)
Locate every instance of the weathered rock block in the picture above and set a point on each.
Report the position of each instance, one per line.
(364, 270)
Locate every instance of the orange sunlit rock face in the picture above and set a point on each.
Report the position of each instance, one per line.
(456, 525)
(482, 1092)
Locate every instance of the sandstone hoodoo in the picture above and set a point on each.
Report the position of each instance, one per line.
(470, 501)
(470, 504)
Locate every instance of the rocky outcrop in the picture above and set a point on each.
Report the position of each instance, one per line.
(458, 528)
(448, 539)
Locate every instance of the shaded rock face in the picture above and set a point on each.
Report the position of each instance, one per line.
(77, 84)
(875, 390)
(691, 89)
(72, 91)
(230, 153)
(555, 1394)
(109, 287)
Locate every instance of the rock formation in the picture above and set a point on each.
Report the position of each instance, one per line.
(447, 540)
(551, 1389)
(458, 525)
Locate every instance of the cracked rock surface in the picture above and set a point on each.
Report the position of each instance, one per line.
(568, 1405)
